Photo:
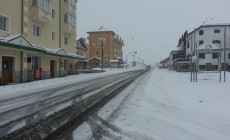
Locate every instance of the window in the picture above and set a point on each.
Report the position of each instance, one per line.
(4, 23)
(45, 4)
(201, 42)
(73, 2)
(214, 67)
(65, 65)
(53, 13)
(215, 55)
(35, 3)
(202, 56)
(36, 62)
(36, 30)
(65, 40)
(228, 55)
(202, 67)
(201, 32)
(70, 19)
(217, 31)
(53, 35)
(216, 42)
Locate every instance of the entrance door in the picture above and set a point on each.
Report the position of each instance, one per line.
(7, 70)
(52, 68)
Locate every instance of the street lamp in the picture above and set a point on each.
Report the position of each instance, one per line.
(127, 57)
(102, 52)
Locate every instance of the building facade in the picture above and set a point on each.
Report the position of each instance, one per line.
(112, 47)
(216, 34)
(37, 35)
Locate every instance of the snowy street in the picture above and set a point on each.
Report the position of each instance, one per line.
(164, 105)
(25, 114)
(160, 105)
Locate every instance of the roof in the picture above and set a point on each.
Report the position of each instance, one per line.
(206, 47)
(16, 39)
(19, 42)
(95, 57)
(114, 60)
(165, 60)
(102, 30)
(9, 37)
(177, 51)
(210, 25)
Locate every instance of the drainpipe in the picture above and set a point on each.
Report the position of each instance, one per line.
(21, 59)
(21, 72)
(60, 33)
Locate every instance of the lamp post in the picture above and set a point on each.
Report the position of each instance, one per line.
(127, 57)
(102, 52)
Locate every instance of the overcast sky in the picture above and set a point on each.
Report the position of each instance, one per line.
(150, 27)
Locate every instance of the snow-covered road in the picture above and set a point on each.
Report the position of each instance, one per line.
(165, 105)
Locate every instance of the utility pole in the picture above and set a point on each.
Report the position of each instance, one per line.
(224, 53)
(102, 53)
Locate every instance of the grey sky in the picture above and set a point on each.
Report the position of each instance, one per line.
(151, 27)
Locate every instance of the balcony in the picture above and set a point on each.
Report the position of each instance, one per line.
(40, 15)
(69, 8)
(69, 29)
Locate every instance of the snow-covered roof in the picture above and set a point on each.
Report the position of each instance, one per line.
(114, 60)
(95, 57)
(75, 55)
(210, 25)
(117, 57)
(102, 29)
(10, 37)
(16, 39)
(208, 47)
(26, 45)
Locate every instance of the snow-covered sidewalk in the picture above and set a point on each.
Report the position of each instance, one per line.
(9, 91)
(165, 105)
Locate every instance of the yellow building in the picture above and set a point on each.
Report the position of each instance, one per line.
(35, 36)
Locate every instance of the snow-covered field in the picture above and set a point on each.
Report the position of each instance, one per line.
(165, 105)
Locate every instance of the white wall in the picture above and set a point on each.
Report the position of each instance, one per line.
(208, 37)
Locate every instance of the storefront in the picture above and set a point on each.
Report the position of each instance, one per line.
(22, 62)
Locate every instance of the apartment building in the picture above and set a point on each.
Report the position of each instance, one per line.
(37, 37)
(215, 36)
(112, 48)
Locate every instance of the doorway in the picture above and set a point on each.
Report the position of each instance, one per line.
(52, 68)
(7, 69)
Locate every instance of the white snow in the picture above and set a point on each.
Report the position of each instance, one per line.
(18, 126)
(10, 91)
(165, 105)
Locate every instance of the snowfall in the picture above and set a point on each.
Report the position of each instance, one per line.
(160, 105)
